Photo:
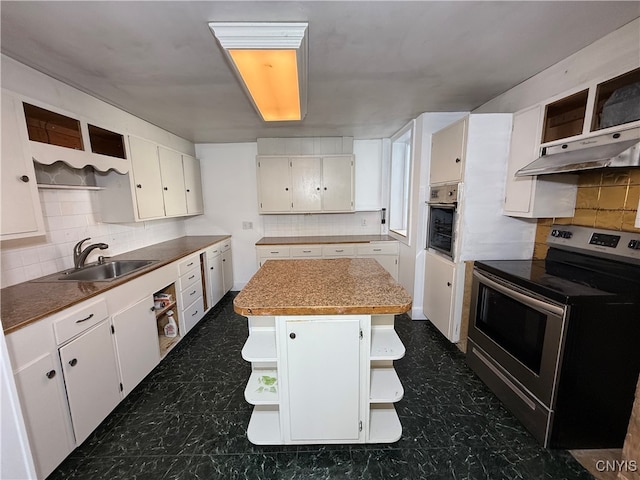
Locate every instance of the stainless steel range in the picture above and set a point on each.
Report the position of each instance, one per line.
(558, 340)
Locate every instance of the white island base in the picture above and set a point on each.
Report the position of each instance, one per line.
(323, 379)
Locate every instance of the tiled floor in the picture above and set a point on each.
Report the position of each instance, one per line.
(188, 420)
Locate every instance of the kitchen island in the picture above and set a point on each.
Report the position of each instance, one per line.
(322, 344)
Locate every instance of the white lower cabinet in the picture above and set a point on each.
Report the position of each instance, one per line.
(91, 379)
(323, 379)
(215, 285)
(190, 293)
(386, 253)
(41, 389)
(227, 267)
(443, 288)
(136, 342)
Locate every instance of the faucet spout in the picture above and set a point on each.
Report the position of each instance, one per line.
(80, 255)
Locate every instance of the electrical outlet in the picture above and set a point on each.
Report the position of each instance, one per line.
(363, 222)
(247, 225)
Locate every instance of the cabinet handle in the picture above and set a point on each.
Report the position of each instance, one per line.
(274, 252)
(73, 362)
(448, 284)
(339, 251)
(192, 276)
(50, 374)
(24, 178)
(85, 319)
(189, 264)
(194, 313)
(292, 336)
(193, 293)
(306, 251)
(457, 160)
(153, 308)
(377, 249)
(139, 185)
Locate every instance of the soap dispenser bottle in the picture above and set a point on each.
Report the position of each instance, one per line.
(170, 329)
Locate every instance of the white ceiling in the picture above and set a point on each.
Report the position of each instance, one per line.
(373, 65)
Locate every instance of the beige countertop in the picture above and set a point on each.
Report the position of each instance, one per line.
(324, 239)
(27, 302)
(342, 286)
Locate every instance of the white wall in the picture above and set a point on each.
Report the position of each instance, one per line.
(230, 198)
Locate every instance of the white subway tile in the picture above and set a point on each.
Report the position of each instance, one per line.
(11, 277)
(11, 259)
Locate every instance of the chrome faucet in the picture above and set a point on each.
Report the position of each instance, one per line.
(80, 255)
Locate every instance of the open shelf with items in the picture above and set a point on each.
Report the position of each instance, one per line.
(164, 300)
(616, 101)
(262, 387)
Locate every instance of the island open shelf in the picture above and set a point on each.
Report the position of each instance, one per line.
(322, 358)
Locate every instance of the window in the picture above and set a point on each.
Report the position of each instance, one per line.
(400, 182)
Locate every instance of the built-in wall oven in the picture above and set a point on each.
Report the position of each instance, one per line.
(441, 226)
(557, 339)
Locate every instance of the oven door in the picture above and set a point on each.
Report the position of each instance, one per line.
(520, 331)
(441, 230)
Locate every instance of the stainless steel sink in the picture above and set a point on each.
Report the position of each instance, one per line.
(104, 272)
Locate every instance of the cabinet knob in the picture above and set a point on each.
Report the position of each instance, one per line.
(73, 362)
(139, 185)
(325, 188)
(448, 284)
(211, 268)
(457, 160)
(318, 188)
(153, 308)
(51, 374)
(188, 190)
(24, 178)
(286, 189)
(292, 335)
(166, 188)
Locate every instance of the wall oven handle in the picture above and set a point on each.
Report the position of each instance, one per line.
(521, 297)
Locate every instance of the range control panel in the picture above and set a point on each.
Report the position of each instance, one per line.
(621, 246)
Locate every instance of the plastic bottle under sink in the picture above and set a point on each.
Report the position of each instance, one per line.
(170, 329)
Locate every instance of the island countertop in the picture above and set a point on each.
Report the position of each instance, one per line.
(340, 286)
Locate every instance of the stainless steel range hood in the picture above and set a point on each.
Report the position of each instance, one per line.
(616, 149)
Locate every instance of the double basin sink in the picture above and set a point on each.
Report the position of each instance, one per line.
(101, 272)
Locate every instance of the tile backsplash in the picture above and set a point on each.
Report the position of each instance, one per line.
(70, 216)
(605, 199)
(357, 223)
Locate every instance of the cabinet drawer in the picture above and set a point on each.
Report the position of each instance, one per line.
(306, 251)
(226, 245)
(386, 248)
(214, 251)
(339, 250)
(191, 294)
(274, 252)
(188, 279)
(188, 264)
(193, 314)
(79, 320)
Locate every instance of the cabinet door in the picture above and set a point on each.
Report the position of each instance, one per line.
(21, 215)
(173, 189)
(323, 371)
(337, 183)
(146, 178)
(522, 151)
(274, 184)
(136, 340)
(447, 152)
(227, 271)
(41, 389)
(306, 184)
(215, 283)
(438, 292)
(91, 377)
(193, 184)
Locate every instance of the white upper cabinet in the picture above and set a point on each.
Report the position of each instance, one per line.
(337, 183)
(305, 184)
(193, 185)
(173, 189)
(538, 196)
(21, 212)
(146, 178)
(274, 185)
(447, 153)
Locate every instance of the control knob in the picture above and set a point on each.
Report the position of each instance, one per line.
(561, 233)
(634, 244)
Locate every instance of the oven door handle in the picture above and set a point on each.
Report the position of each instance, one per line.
(521, 297)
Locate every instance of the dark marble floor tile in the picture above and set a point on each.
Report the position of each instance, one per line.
(157, 398)
(238, 467)
(88, 446)
(113, 468)
(159, 467)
